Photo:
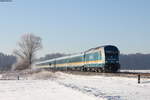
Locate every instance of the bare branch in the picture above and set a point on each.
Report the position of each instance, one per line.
(28, 46)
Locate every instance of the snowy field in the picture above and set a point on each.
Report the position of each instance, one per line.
(138, 71)
(61, 86)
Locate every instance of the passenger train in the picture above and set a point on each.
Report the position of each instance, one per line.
(99, 59)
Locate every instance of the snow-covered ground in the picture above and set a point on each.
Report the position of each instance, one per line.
(138, 71)
(39, 90)
(111, 88)
(61, 86)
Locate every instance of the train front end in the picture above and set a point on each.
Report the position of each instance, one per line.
(111, 59)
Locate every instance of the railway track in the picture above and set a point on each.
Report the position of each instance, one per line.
(119, 74)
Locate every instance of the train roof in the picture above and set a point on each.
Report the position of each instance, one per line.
(64, 57)
(100, 47)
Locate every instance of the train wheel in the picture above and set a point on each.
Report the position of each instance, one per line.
(99, 70)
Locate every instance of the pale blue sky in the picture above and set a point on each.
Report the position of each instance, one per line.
(70, 26)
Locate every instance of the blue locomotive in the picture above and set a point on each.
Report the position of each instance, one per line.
(99, 59)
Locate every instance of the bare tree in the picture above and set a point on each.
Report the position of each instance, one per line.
(28, 46)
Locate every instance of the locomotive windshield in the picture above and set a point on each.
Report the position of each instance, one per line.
(111, 53)
(111, 56)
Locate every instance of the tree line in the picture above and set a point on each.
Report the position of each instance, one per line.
(135, 61)
(6, 61)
